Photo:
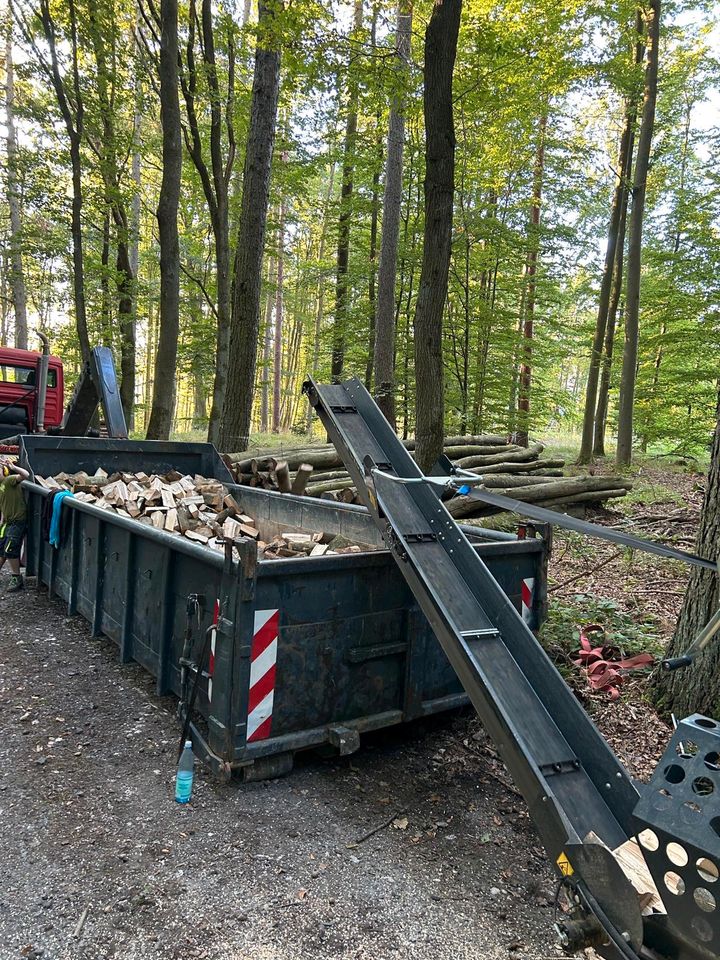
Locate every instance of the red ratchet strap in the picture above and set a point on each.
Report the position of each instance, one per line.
(604, 664)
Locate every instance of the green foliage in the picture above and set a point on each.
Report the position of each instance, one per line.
(560, 634)
(569, 61)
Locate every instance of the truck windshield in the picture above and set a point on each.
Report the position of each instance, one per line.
(24, 375)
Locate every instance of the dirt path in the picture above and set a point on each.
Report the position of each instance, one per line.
(258, 872)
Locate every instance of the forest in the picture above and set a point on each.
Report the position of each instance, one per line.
(501, 216)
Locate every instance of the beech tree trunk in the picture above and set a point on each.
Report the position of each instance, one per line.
(215, 180)
(17, 274)
(606, 368)
(72, 110)
(320, 309)
(343, 247)
(237, 410)
(528, 320)
(632, 294)
(440, 49)
(384, 347)
(591, 388)
(617, 214)
(163, 402)
(267, 352)
(129, 335)
(696, 689)
(278, 351)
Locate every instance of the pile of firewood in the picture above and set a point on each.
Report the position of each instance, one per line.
(195, 507)
(506, 468)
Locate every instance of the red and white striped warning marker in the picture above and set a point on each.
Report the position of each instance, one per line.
(526, 598)
(263, 655)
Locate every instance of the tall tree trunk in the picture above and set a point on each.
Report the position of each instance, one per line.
(278, 351)
(525, 379)
(616, 293)
(126, 284)
(129, 350)
(267, 353)
(161, 415)
(237, 410)
(632, 294)
(105, 312)
(373, 266)
(606, 367)
(619, 203)
(343, 247)
(320, 310)
(17, 274)
(440, 49)
(384, 352)
(696, 689)
(215, 181)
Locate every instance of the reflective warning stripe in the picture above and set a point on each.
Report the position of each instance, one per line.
(526, 599)
(213, 639)
(263, 656)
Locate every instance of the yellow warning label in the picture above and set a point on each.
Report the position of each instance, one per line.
(565, 866)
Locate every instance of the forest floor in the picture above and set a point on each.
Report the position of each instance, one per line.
(97, 861)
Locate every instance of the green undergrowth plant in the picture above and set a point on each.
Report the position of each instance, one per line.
(560, 634)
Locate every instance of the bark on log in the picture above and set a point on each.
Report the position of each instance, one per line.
(509, 481)
(520, 455)
(300, 480)
(563, 492)
(315, 489)
(282, 476)
(535, 466)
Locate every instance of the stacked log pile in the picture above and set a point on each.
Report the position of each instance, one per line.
(506, 468)
(199, 509)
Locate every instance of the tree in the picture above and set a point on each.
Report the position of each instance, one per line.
(216, 180)
(441, 38)
(343, 246)
(278, 345)
(237, 410)
(696, 689)
(17, 273)
(529, 292)
(632, 295)
(69, 96)
(161, 416)
(112, 146)
(384, 353)
(612, 255)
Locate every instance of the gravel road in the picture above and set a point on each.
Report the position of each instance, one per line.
(97, 861)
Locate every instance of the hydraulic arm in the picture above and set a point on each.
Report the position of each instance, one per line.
(584, 805)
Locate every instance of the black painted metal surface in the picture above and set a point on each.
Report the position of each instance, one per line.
(354, 652)
(678, 822)
(96, 386)
(577, 791)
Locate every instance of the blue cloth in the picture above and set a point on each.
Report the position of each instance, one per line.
(55, 522)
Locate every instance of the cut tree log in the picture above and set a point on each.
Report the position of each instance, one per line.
(282, 476)
(301, 478)
(521, 455)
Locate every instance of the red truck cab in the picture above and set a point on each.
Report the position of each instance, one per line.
(18, 392)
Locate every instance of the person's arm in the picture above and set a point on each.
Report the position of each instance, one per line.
(12, 468)
(20, 471)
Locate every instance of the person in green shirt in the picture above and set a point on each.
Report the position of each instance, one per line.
(14, 519)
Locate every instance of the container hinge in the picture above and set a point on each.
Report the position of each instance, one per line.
(563, 766)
